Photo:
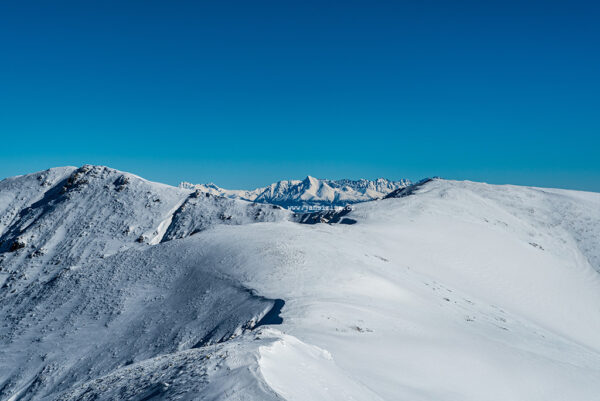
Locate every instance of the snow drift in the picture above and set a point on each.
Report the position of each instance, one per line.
(113, 287)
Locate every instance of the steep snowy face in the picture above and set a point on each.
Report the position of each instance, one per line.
(18, 193)
(88, 213)
(310, 191)
(228, 193)
(470, 291)
(380, 185)
(83, 291)
(202, 210)
(67, 217)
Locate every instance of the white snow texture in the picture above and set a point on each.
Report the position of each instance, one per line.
(116, 288)
(311, 191)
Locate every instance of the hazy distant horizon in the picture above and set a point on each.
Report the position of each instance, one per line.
(244, 94)
(264, 184)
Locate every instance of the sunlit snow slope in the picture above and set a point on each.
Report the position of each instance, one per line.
(454, 291)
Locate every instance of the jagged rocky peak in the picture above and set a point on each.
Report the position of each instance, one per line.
(310, 191)
(310, 181)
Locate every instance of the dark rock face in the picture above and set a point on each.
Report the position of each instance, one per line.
(409, 190)
(328, 216)
(16, 246)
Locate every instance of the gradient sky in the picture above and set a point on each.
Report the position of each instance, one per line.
(243, 93)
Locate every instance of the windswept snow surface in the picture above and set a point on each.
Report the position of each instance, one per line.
(459, 291)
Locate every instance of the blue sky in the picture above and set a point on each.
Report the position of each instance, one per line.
(245, 93)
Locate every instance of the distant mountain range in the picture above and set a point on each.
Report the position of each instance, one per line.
(309, 193)
(113, 287)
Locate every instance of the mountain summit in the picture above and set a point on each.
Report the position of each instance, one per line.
(113, 287)
(309, 192)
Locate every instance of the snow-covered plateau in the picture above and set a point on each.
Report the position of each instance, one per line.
(116, 288)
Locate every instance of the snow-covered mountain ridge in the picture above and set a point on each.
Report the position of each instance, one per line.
(114, 287)
(302, 194)
(68, 216)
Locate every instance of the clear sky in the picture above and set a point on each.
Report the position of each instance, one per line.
(243, 93)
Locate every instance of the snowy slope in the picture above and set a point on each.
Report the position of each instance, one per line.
(70, 216)
(202, 210)
(18, 193)
(457, 291)
(301, 194)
